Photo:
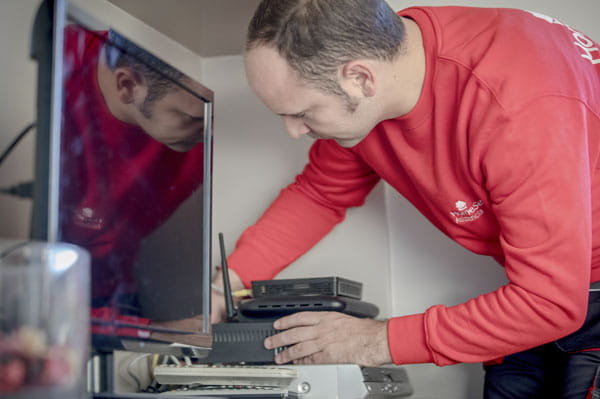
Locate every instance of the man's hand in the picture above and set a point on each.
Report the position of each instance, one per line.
(217, 300)
(191, 325)
(330, 338)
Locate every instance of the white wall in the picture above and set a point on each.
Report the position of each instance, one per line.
(426, 267)
(17, 109)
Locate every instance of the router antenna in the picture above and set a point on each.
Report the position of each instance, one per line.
(230, 311)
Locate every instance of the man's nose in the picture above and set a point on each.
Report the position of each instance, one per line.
(295, 127)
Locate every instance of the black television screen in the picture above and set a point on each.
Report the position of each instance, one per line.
(130, 167)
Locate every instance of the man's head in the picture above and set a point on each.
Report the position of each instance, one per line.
(319, 40)
(153, 94)
(316, 37)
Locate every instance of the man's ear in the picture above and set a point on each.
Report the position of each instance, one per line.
(128, 83)
(359, 75)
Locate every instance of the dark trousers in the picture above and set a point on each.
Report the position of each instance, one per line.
(565, 369)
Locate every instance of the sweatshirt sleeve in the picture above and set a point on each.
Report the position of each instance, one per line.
(334, 180)
(538, 168)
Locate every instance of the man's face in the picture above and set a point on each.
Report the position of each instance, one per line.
(176, 119)
(305, 110)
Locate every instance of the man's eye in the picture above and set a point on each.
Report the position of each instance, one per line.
(301, 115)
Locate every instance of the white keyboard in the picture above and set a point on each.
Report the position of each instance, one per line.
(231, 392)
(225, 375)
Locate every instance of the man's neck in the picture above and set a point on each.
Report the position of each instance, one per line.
(405, 75)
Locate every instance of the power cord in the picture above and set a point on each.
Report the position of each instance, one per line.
(131, 373)
(21, 190)
(16, 141)
(24, 189)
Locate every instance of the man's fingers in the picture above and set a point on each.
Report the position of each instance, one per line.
(290, 337)
(301, 336)
(301, 319)
(299, 351)
(330, 337)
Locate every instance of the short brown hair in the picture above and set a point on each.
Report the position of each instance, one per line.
(160, 77)
(316, 37)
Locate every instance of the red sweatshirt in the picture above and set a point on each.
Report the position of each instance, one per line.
(500, 153)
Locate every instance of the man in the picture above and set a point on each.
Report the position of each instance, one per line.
(487, 120)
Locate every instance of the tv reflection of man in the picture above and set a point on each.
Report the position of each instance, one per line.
(131, 133)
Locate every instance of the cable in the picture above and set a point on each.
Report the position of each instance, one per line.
(242, 293)
(16, 141)
(25, 189)
(22, 190)
(132, 374)
(217, 288)
(13, 247)
(155, 359)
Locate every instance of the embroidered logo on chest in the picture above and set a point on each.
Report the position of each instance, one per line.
(88, 218)
(465, 213)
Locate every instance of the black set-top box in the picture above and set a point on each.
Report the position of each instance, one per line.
(330, 286)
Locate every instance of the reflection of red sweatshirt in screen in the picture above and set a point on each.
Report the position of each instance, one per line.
(500, 154)
(118, 184)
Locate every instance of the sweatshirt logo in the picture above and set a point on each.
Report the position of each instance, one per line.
(87, 218)
(465, 213)
(589, 50)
